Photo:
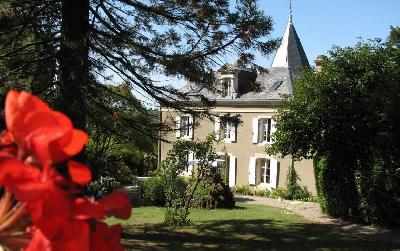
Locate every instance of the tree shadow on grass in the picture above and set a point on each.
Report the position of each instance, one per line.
(247, 235)
(243, 199)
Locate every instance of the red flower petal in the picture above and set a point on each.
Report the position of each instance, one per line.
(117, 204)
(51, 214)
(106, 238)
(83, 209)
(75, 236)
(39, 242)
(67, 146)
(21, 179)
(17, 107)
(48, 134)
(80, 174)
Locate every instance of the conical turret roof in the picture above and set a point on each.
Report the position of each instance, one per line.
(290, 52)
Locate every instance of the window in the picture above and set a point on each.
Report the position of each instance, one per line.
(187, 161)
(223, 164)
(184, 126)
(263, 130)
(226, 165)
(225, 130)
(265, 171)
(189, 166)
(227, 88)
(266, 125)
(276, 85)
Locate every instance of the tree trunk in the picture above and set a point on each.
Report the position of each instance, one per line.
(74, 60)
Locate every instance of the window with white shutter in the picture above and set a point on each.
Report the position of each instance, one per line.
(217, 127)
(224, 130)
(266, 172)
(252, 171)
(232, 171)
(255, 130)
(178, 126)
(184, 126)
(190, 163)
(191, 127)
(263, 130)
(274, 173)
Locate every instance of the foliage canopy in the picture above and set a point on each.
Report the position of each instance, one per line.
(346, 117)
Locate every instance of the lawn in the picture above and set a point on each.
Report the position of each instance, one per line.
(247, 227)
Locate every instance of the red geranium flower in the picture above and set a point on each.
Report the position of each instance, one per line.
(38, 129)
(61, 217)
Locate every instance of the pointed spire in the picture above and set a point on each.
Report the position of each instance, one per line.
(290, 52)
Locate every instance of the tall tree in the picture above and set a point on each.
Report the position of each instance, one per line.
(135, 41)
(74, 60)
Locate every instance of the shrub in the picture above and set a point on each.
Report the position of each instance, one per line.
(262, 192)
(243, 190)
(293, 190)
(205, 188)
(278, 193)
(213, 195)
(152, 191)
(299, 193)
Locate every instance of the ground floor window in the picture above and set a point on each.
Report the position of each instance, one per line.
(223, 166)
(263, 171)
(188, 168)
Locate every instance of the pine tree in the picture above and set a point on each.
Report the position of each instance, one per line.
(85, 42)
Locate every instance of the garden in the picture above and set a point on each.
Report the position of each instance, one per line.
(245, 227)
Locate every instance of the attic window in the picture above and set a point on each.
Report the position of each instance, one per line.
(227, 87)
(276, 85)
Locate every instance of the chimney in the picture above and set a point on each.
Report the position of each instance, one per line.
(318, 62)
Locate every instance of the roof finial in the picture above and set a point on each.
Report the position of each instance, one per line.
(290, 12)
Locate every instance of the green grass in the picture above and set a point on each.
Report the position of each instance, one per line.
(247, 227)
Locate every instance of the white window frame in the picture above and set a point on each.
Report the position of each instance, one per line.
(226, 87)
(267, 133)
(225, 130)
(189, 167)
(256, 129)
(228, 131)
(273, 167)
(184, 131)
(264, 168)
(232, 166)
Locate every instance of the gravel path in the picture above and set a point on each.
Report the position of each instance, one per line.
(312, 212)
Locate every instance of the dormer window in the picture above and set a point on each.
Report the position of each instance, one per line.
(227, 87)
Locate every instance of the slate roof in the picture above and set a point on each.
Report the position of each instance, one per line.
(289, 59)
(280, 76)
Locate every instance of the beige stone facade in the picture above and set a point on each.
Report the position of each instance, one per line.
(243, 149)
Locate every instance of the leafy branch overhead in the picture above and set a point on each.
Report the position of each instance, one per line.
(134, 41)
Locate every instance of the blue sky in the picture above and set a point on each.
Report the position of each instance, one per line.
(323, 23)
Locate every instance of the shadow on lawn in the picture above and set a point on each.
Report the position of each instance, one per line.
(246, 235)
(243, 199)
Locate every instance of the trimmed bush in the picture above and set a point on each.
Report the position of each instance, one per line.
(211, 196)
